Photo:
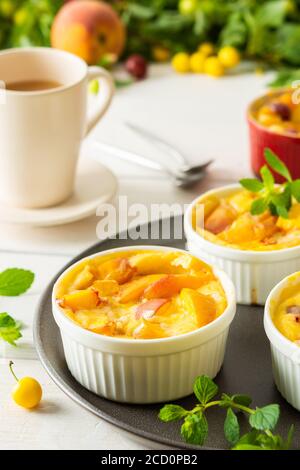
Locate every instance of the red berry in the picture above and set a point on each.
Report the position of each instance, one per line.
(136, 65)
(282, 110)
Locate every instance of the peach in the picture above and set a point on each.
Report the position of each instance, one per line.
(151, 263)
(83, 279)
(247, 229)
(83, 299)
(172, 284)
(117, 269)
(134, 289)
(106, 287)
(89, 29)
(107, 329)
(150, 308)
(165, 263)
(148, 330)
(221, 218)
(198, 305)
(203, 209)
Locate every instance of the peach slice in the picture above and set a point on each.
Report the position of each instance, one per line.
(150, 308)
(221, 218)
(198, 305)
(106, 287)
(83, 279)
(172, 284)
(165, 263)
(241, 201)
(117, 269)
(203, 209)
(83, 299)
(134, 289)
(107, 329)
(153, 263)
(247, 228)
(148, 330)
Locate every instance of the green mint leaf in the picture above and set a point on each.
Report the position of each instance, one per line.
(270, 442)
(295, 188)
(259, 206)
(252, 185)
(205, 389)
(231, 427)
(265, 418)
(267, 178)
(249, 438)
(276, 164)
(9, 329)
(282, 201)
(243, 400)
(248, 441)
(272, 208)
(247, 447)
(172, 413)
(195, 429)
(282, 212)
(228, 401)
(15, 281)
(225, 401)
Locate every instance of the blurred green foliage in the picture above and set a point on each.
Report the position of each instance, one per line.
(262, 29)
(26, 22)
(265, 30)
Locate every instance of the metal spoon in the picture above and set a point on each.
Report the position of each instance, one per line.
(179, 179)
(185, 167)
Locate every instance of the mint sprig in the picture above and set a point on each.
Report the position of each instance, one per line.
(262, 421)
(9, 329)
(275, 198)
(15, 281)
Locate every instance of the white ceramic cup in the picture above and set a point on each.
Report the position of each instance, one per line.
(41, 131)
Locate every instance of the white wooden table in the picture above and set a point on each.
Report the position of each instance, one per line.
(204, 118)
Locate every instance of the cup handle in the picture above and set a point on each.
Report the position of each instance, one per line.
(106, 93)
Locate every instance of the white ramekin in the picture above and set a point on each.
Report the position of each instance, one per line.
(254, 273)
(144, 371)
(285, 353)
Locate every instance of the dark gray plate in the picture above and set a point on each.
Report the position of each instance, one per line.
(247, 369)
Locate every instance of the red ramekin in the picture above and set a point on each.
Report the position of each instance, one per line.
(286, 147)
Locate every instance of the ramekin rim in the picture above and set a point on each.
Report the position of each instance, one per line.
(225, 249)
(231, 303)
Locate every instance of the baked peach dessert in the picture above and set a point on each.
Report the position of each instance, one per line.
(141, 294)
(279, 113)
(227, 220)
(260, 215)
(286, 315)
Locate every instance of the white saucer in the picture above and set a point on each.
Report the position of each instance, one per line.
(95, 185)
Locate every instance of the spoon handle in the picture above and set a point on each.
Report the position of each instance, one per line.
(165, 146)
(129, 156)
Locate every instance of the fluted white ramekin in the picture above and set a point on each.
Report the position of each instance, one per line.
(144, 371)
(254, 273)
(285, 353)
